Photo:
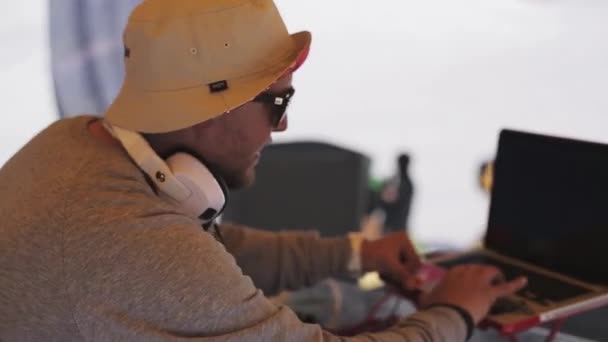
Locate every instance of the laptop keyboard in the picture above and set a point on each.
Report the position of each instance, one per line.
(541, 288)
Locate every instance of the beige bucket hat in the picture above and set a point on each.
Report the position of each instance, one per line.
(188, 61)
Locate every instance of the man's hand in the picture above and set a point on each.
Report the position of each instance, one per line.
(474, 288)
(394, 257)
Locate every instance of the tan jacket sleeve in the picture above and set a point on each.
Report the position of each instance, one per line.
(286, 260)
(175, 282)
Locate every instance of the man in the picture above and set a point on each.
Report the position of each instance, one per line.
(101, 237)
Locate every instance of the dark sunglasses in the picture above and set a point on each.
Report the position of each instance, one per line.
(279, 103)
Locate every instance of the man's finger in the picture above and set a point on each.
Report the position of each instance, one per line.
(412, 282)
(510, 287)
(489, 272)
(395, 272)
(409, 255)
(406, 276)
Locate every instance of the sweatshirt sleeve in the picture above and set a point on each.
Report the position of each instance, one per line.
(278, 261)
(177, 282)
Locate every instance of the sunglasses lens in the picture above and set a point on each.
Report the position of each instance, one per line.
(279, 114)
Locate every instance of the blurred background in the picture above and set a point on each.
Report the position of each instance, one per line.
(396, 117)
(433, 79)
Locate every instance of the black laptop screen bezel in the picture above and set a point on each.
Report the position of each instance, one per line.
(545, 181)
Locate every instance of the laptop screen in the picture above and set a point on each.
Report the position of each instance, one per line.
(549, 204)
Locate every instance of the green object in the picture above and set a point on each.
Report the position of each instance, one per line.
(375, 184)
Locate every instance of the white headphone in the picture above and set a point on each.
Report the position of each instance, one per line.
(181, 176)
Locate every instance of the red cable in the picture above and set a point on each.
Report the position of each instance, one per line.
(557, 326)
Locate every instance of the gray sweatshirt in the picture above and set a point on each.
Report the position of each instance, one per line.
(89, 251)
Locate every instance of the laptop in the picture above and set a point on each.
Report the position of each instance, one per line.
(548, 221)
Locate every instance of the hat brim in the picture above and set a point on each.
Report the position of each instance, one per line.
(166, 111)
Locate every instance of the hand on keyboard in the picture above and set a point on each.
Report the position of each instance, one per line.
(472, 287)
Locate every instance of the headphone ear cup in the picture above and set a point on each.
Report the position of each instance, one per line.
(208, 193)
(182, 177)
